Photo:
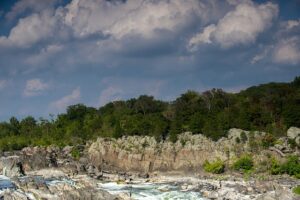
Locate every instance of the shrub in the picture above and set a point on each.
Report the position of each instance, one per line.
(252, 142)
(290, 167)
(292, 143)
(296, 190)
(245, 163)
(237, 140)
(173, 137)
(275, 167)
(183, 142)
(268, 140)
(216, 167)
(75, 153)
(244, 137)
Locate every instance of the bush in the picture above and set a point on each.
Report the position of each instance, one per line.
(292, 143)
(290, 167)
(268, 140)
(245, 163)
(296, 190)
(216, 167)
(75, 153)
(244, 137)
(275, 167)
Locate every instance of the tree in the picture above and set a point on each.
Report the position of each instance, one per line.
(118, 131)
(15, 125)
(28, 125)
(147, 104)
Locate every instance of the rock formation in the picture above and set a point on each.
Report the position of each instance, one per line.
(294, 134)
(145, 154)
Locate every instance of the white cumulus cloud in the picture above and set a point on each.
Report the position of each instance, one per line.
(23, 6)
(292, 23)
(44, 54)
(240, 26)
(29, 30)
(288, 51)
(83, 18)
(34, 87)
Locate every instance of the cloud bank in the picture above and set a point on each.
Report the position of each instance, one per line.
(95, 51)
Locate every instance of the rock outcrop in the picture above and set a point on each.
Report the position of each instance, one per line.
(11, 166)
(53, 184)
(145, 154)
(52, 173)
(294, 134)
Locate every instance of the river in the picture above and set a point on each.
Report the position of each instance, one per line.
(151, 191)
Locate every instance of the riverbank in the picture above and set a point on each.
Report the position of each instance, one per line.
(141, 168)
(55, 183)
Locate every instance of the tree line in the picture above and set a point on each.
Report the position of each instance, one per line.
(272, 107)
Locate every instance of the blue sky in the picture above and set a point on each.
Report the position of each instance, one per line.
(55, 53)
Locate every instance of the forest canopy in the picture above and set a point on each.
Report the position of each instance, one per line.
(271, 107)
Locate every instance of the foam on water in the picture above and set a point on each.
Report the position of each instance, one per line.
(58, 181)
(150, 191)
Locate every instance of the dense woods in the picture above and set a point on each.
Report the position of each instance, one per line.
(271, 107)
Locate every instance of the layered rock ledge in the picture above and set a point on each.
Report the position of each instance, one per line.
(188, 154)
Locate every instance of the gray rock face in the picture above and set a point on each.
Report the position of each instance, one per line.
(235, 133)
(293, 132)
(55, 188)
(38, 158)
(11, 166)
(145, 154)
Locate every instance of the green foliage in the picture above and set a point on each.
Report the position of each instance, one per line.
(270, 107)
(216, 167)
(275, 167)
(252, 142)
(244, 137)
(245, 163)
(292, 143)
(296, 190)
(173, 137)
(75, 153)
(268, 140)
(290, 167)
(118, 131)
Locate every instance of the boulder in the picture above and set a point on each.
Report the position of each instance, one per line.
(67, 150)
(293, 133)
(234, 133)
(14, 195)
(11, 166)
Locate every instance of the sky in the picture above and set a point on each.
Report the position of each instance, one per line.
(55, 53)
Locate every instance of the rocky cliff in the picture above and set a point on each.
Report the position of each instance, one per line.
(54, 173)
(145, 154)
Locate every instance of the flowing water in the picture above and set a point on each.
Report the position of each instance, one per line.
(138, 191)
(151, 191)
